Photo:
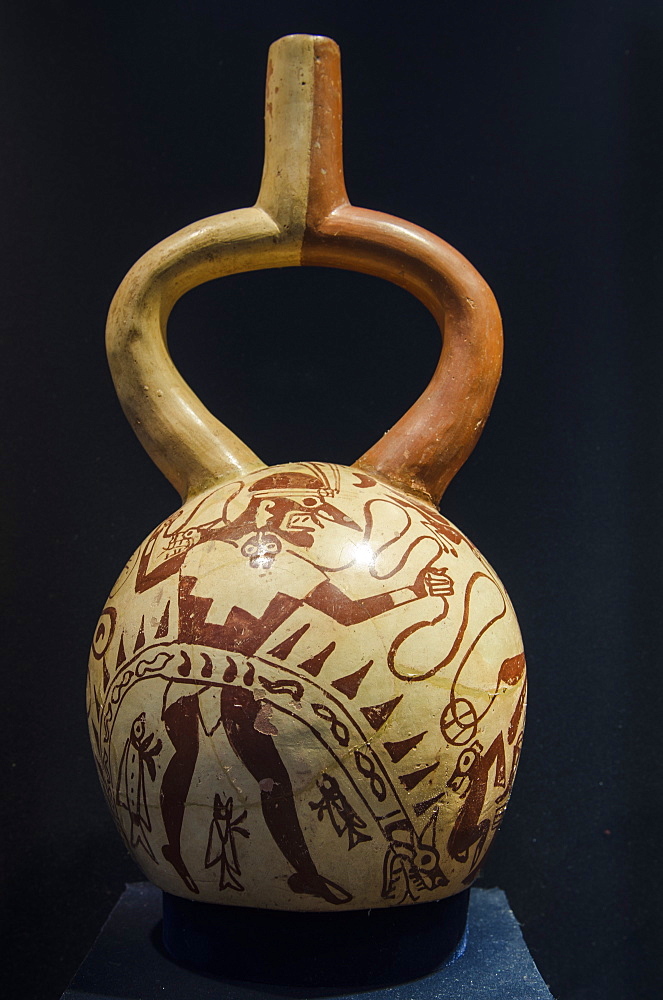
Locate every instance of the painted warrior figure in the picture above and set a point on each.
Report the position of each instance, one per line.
(286, 528)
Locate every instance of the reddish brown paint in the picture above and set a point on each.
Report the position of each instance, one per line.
(423, 451)
(350, 684)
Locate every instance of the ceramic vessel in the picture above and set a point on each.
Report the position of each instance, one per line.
(307, 688)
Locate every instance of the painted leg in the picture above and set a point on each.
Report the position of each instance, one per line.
(181, 721)
(260, 756)
(478, 859)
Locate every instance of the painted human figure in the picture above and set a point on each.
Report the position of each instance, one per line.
(343, 818)
(137, 758)
(221, 846)
(470, 779)
(285, 526)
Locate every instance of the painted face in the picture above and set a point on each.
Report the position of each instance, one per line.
(261, 549)
(308, 520)
(464, 765)
(138, 728)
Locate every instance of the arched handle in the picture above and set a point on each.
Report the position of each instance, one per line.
(303, 216)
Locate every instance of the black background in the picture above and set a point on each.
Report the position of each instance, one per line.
(528, 135)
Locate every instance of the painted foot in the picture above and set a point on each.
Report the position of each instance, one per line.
(174, 858)
(316, 885)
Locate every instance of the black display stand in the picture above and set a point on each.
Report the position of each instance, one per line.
(359, 949)
(128, 961)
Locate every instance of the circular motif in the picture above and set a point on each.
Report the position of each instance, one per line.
(104, 633)
(459, 722)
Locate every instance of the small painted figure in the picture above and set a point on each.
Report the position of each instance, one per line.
(137, 757)
(343, 817)
(221, 846)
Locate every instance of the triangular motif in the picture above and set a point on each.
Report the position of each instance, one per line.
(121, 655)
(283, 650)
(140, 638)
(412, 779)
(377, 715)
(422, 807)
(315, 663)
(399, 749)
(164, 624)
(349, 685)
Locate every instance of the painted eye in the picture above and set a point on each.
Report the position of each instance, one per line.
(310, 502)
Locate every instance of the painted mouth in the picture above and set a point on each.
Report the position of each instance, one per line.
(298, 521)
